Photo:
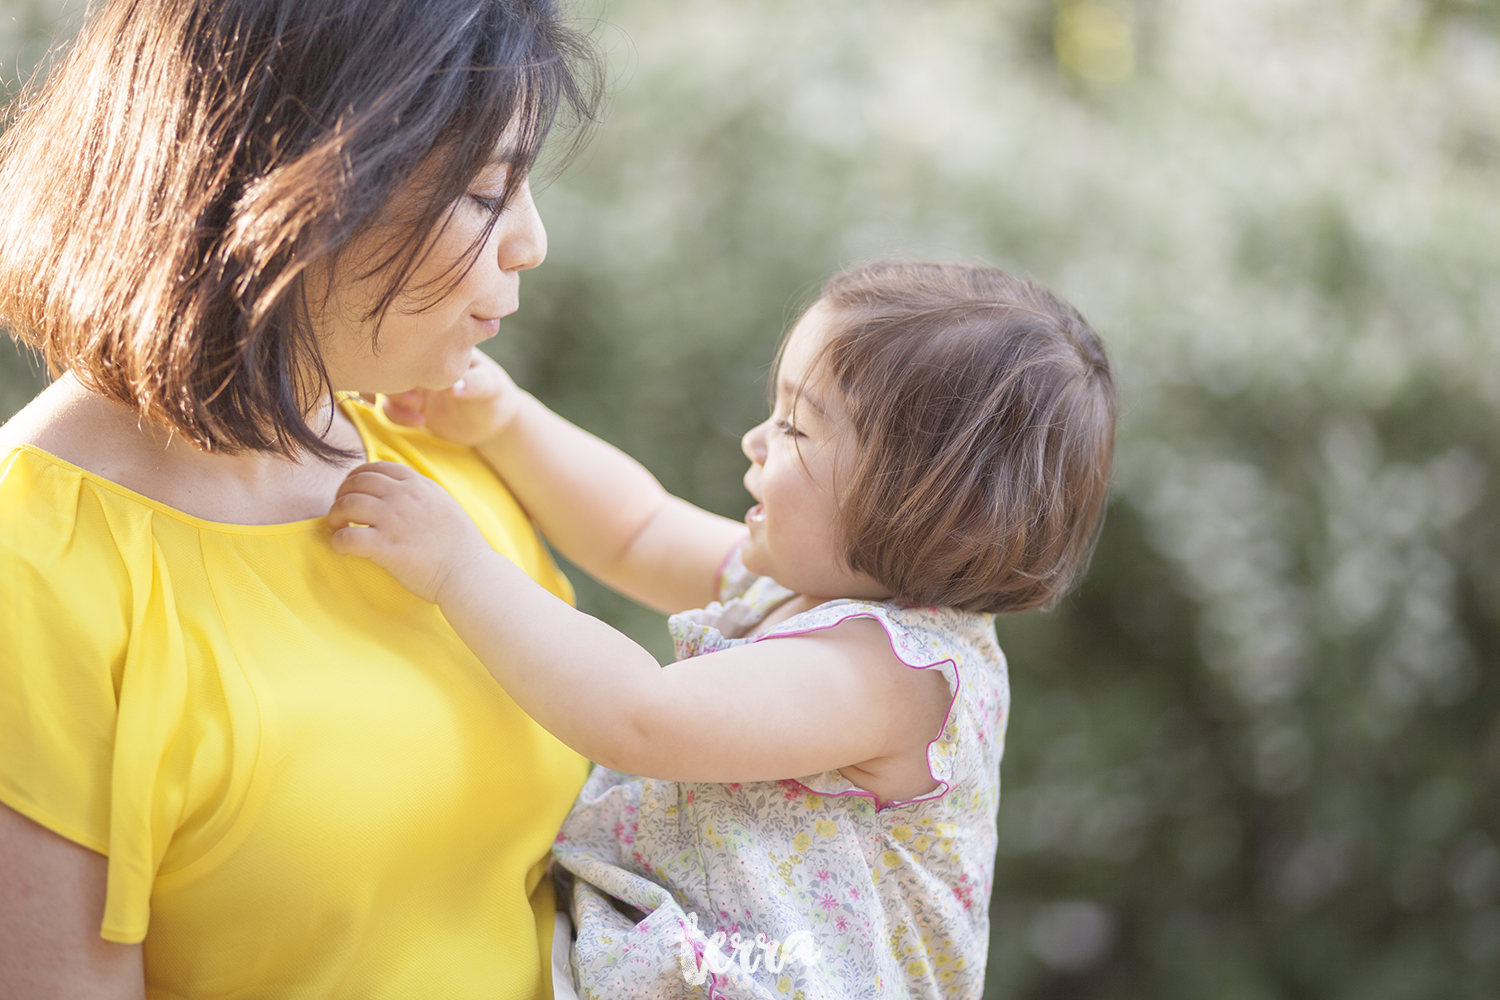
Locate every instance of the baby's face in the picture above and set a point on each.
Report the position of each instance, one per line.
(798, 459)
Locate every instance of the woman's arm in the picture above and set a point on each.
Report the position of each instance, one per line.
(600, 507)
(51, 905)
(766, 710)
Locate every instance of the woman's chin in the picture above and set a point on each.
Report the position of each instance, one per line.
(444, 379)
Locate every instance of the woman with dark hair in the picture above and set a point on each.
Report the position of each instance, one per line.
(233, 763)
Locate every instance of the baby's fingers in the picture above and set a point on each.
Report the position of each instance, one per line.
(356, 540)
(390, 470)
(376, 478)
(357, 508)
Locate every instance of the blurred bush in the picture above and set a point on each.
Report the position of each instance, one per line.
(1256, 755)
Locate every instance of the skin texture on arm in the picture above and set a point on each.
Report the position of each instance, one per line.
(837, 699)
(600, 507)
(51, 904)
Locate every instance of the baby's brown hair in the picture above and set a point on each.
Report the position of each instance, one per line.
(984, 410)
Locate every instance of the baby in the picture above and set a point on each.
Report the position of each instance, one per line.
(803, 805)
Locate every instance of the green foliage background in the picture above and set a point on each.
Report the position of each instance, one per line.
(1256, 755)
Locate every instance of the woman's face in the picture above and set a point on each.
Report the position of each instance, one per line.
(425, 339)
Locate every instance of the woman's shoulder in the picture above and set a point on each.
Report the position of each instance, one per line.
(73, 425)
(96, 444)
(71, 453)
(45, 453)
(74, 559)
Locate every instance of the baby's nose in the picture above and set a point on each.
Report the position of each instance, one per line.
(753, 444)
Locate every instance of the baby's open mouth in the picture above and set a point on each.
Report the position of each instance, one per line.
(756, 514)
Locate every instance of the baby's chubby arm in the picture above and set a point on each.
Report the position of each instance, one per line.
(773, 709)
(601, 508)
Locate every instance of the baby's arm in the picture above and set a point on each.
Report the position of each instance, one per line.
(773, 709)
(601, 508)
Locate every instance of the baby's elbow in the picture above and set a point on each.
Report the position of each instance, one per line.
(637, 744)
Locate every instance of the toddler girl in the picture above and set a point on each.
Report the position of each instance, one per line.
(819, 771)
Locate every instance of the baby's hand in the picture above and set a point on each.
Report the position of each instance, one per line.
(408, 524)
(473, 410)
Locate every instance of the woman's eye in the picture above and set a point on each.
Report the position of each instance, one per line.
(490, 205)
(787, 428)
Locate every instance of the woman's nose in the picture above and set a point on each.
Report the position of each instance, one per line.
(523, 240)
(753, 444)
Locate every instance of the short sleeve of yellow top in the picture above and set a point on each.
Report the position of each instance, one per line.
(306, 786)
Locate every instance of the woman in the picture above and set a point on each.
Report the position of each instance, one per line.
(231, 762)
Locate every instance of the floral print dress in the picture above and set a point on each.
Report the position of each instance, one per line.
(805, 888)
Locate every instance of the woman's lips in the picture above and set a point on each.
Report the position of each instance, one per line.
(756, 514)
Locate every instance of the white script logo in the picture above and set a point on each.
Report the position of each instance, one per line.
(749, 954)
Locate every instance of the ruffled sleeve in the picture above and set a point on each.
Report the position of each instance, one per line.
(955, 643)
(105, 738)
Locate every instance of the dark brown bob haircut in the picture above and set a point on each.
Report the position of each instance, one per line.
(164, 190)
(984, 411)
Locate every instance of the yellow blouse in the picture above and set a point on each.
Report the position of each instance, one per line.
(304, 782)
